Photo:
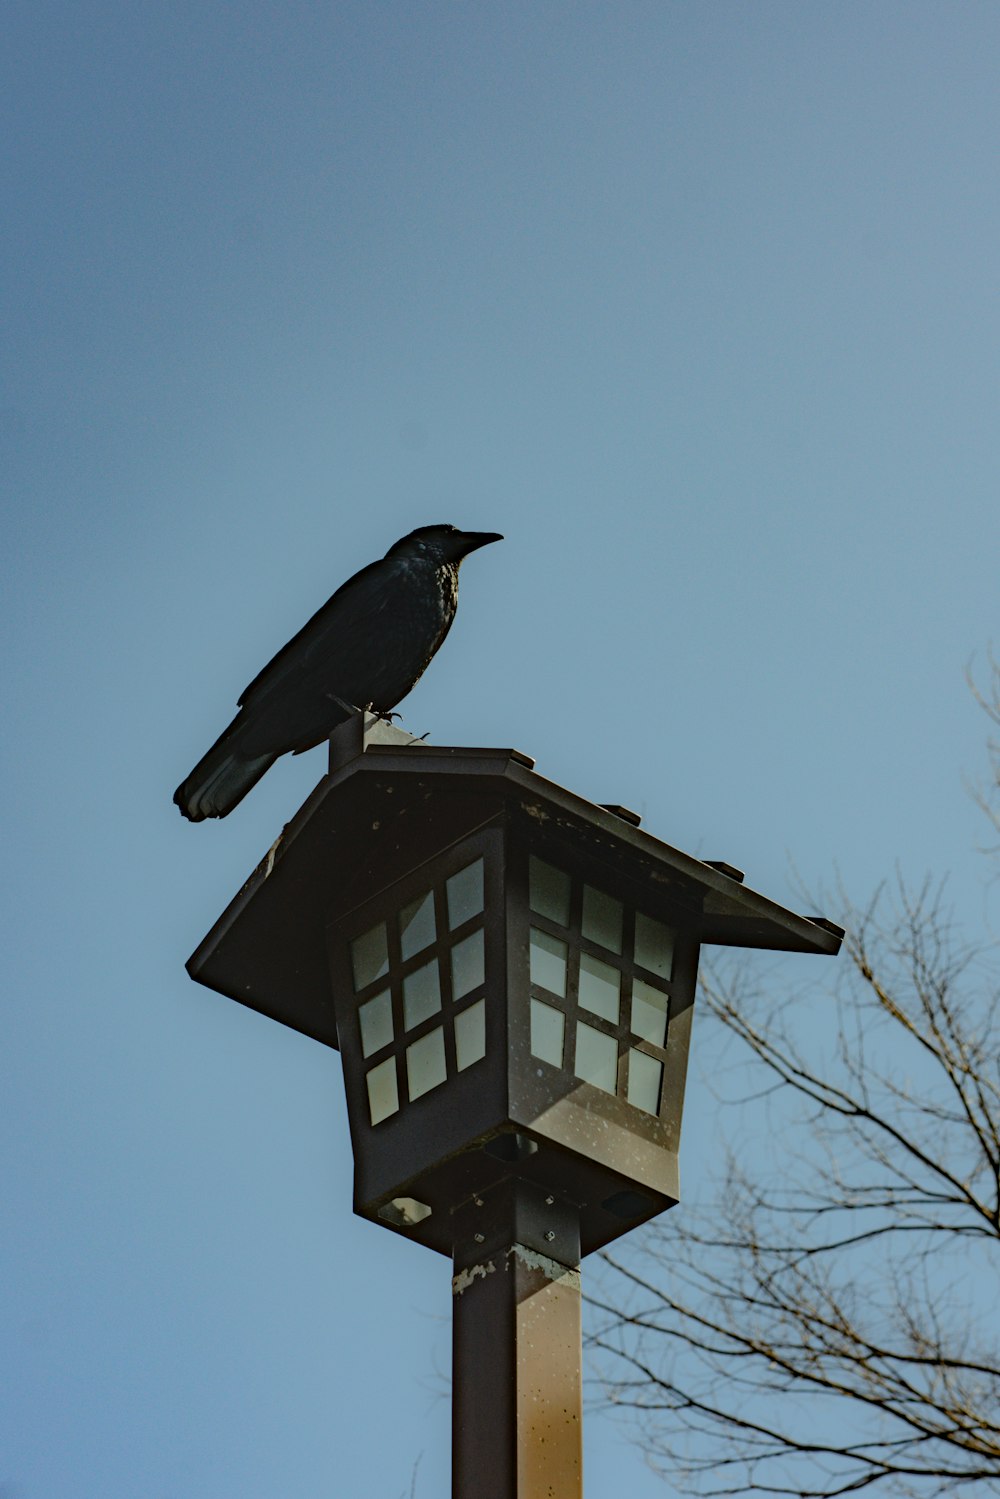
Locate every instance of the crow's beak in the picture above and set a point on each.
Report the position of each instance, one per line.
(473, 539)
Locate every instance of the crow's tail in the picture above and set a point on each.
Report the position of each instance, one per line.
(222, 778)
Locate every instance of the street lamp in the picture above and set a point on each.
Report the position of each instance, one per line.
(509, 973)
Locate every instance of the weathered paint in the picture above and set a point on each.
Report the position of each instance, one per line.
(517, 1386)
(551, 1269)
(464, 1279)
(529, 1258)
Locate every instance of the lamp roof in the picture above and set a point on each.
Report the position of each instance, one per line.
(268, 948)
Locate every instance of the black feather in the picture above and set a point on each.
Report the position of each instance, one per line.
(366, 647)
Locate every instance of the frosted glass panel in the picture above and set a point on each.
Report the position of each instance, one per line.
(421, 995)
(549, 889)
(645, 1076)
(470, 1035)
(649, 1012)
(465, 894)
(376, 1023)
(370, 956)
(548, 962)
(548, 1026)
(600, 988)
(602, 918)
(416, 925)
(654, 945)
(596, 1058)
(383, 1096)
(467, 965)
(425, 1067)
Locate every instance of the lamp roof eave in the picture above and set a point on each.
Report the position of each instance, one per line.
(726, 912)
(267, 949)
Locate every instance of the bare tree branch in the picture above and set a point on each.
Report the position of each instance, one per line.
(830, 1323)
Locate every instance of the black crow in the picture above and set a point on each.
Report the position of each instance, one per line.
(365, 648)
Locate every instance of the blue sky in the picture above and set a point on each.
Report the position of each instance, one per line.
(698, 305)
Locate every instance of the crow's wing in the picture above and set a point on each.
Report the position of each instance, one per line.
(338, 637)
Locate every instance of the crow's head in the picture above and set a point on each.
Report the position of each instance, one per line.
(441, 544)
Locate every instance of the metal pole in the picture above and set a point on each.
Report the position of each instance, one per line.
(517, 1397)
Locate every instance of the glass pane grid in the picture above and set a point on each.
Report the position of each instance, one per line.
(623, 960)
(612, 966)
(410, 970)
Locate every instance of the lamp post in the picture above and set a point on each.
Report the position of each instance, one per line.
(508, 971)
